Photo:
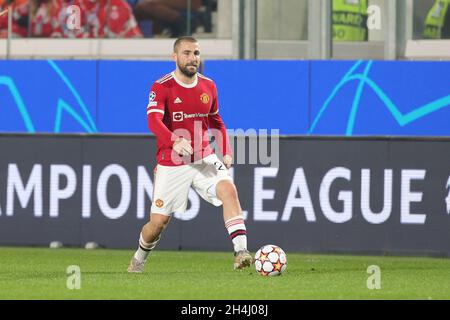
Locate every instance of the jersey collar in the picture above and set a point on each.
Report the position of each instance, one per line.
(185, 85)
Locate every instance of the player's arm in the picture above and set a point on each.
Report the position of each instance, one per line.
(155, 114)
(220, 132)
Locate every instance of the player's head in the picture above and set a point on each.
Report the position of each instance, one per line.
(186, 54)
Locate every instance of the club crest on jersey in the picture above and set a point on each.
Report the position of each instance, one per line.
(159, 203)
(204, 98)
(152, 96)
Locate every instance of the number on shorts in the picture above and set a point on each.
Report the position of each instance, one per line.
(219, 165)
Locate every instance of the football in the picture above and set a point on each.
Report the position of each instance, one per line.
(270, 261)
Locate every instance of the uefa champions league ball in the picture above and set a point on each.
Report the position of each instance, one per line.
(270, 261)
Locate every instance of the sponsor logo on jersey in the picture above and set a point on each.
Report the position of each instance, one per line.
(204, 98)
(178, 116)
(195, 115)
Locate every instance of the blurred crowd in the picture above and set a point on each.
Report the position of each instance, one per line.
(99, 18)
(350, 20)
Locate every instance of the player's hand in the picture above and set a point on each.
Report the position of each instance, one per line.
(182, 147)
(227, 161)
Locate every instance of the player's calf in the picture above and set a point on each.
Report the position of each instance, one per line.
(152, 230)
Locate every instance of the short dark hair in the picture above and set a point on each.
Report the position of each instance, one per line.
(181, 40)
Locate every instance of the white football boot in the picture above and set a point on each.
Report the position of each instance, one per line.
(136, 266)
(242, 260)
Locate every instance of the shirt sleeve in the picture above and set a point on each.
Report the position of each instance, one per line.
(155, 114)
(220, 131)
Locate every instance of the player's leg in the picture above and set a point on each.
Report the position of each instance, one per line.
(215, 185)
(234, 222)
(170, 194)
(152, 230)
(226, 192)
(148, 238)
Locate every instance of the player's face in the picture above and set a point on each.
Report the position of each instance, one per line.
(187, 58)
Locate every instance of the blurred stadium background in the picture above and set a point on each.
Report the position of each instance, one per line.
(355, 96)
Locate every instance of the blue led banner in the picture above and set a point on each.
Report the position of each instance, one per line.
(380, 98)
(48, 96)
(344, 98)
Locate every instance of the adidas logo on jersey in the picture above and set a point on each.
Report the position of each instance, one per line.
(177, 100)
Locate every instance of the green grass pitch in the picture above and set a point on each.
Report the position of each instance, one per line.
(37, 273)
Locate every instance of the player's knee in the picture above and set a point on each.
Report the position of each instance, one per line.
(226, 191)
(159, 222)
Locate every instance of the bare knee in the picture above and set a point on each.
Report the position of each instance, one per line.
(226, 191)
(159, 222)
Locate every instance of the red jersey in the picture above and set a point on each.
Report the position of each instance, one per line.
(177, 109)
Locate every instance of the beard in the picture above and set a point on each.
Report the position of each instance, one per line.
(187, 72)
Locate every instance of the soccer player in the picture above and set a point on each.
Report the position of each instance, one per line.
(182, 107)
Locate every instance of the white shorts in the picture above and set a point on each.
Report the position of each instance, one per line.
(171, 184)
